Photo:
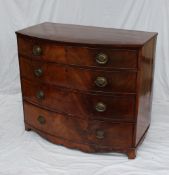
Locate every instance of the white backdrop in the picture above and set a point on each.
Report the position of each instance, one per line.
(26, 153)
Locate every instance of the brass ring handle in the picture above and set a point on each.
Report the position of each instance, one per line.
(100, 107)
(100, 134)
(41, 120)
(101, 81)
(101, 58)
(40, 95)
(37, 50)
(38, 72)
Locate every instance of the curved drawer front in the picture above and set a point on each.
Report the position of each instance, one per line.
(81, 56)
(116, 136)
(78, 78)
(79, 104)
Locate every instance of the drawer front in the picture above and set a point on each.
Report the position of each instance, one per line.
(103, 58)
(78, 104)
(38, 71)
(79, 131)
(41, 50)
(78, 78)
(106, 81)
(79, 56)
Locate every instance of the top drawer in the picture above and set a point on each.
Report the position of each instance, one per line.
(80, 56)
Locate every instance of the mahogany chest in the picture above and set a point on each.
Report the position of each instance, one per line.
(87, 88)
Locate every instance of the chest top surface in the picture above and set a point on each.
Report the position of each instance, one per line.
(69, 33)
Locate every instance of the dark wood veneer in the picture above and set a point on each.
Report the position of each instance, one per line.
(81, 104)
(79, 56)
(79, 78)
(87, 35)
(80, 131)
(62, 100)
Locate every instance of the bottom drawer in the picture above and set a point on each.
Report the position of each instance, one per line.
(114, 135)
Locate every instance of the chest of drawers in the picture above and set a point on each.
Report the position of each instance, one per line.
(87, 88)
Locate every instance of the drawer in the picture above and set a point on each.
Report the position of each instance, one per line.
(78, 78)
(103, 58)
(41, 50)
(80, 105)
(44, 50)
(117, 135)
(38, 71)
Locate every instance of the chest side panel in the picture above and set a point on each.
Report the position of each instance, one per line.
(145, 85)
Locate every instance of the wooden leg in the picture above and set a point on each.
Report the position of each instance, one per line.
(27, 128)
(132, 153)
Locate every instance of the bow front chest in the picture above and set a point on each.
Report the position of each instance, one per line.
(87, 88)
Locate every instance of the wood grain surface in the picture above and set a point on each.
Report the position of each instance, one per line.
(60, 65)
